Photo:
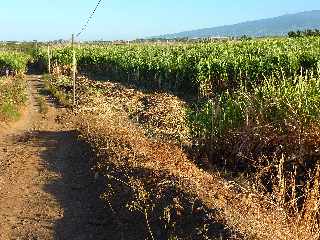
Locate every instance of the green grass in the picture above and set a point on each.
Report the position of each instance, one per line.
(51, 86)
(9, 112)
(42, 103)
(14, 61)
(294, 101)
(13, 96)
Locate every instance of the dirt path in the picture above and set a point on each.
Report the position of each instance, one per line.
(46, 189)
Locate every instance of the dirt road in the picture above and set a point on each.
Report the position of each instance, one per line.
(46, 188)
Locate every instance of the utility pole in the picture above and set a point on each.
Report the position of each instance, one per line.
(74, 68)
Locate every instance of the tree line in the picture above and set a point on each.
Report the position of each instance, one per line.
(305, 33)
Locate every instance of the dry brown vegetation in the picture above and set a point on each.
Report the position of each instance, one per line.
(139, 140)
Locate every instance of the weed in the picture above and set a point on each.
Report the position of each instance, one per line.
(62, 97)
(42, 103)
(13, 95)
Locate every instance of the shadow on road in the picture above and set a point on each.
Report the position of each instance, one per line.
(76, 191)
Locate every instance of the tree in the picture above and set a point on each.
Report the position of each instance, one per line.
(292, 34)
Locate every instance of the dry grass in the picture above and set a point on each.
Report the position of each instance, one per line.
(161, 115)
(138, 139)
(124, 147)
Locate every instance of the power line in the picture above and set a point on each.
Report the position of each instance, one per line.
(74, 61)
(85, 26)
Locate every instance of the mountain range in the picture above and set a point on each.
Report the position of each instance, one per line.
(277, 26)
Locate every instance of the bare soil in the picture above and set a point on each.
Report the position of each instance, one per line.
(47, 190)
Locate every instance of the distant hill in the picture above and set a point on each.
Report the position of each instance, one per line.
(277, 26)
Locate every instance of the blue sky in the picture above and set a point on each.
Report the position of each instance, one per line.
(129, 19)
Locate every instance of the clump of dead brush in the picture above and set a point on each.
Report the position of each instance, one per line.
(299, 202)
(119, 142)
(123, 144)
